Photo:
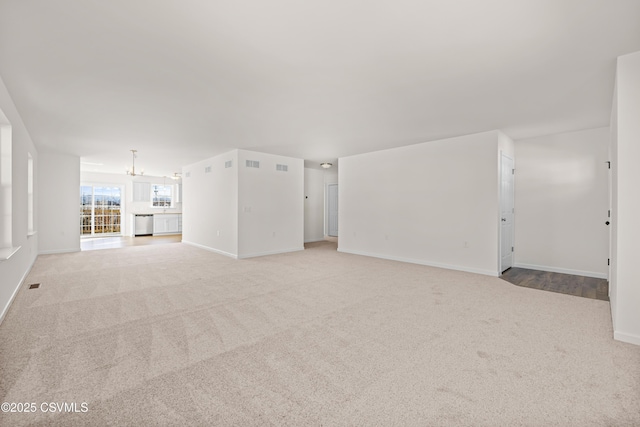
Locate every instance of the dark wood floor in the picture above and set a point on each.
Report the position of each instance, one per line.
(587, 287)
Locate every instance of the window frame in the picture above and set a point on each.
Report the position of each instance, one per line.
(92, 223)
(155, 202)
(31, 227)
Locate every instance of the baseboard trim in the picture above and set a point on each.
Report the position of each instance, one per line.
(234, 256)
(628, 338)
(613, 307)
(210, 249)
(562, 270)
(5, 310)
(257, 254)
(59, 251)
(422, 262)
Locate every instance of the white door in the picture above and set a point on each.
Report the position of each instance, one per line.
(332, 208)
(608, 223)
(100, 210)
(506, 212)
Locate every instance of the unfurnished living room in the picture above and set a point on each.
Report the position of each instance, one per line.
(418, 213)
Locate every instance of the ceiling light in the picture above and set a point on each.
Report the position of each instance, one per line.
(326, 165)
(132, 171)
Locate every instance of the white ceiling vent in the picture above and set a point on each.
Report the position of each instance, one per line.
(253, 164)
(283, 168)
(207, 169)
(228, 164)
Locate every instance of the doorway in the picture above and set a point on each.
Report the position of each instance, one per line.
(100, 210)
(332, 209)
(506, 212)
(608, 221)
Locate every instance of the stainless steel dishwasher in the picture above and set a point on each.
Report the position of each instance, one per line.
(143, 225)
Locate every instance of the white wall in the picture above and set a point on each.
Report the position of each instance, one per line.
(59, 225)
(270, 205)
(330, 175)
(244, 212)
(506, 146)
(129, 207)
(434, 203)
(313, 205)
(625, 277)
(561, 203)
(210, 204)
(14, 270)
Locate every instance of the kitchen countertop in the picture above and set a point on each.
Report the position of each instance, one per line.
(157, 213)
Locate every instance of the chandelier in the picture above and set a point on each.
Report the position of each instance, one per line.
(132, 171)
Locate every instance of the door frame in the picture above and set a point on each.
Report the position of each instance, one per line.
(326, 211)
(513, 199)
(122, 188)
(609, 220)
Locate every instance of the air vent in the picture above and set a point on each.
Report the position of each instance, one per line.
(228, 164)
(187, 175)
(283, 168)
(34, 286)
(207, 169)
(253, 164)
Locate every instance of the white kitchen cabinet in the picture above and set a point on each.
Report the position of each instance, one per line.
(167, 224)
(141, 191)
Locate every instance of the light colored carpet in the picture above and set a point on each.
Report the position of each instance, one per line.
(175, 335)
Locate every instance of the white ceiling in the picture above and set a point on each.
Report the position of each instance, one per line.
(184, 80)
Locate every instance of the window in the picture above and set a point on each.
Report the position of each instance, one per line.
(30, 222)
(161, 197)
(5, 184)
(100, 210)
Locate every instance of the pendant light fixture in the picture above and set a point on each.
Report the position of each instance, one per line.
(132, 171)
